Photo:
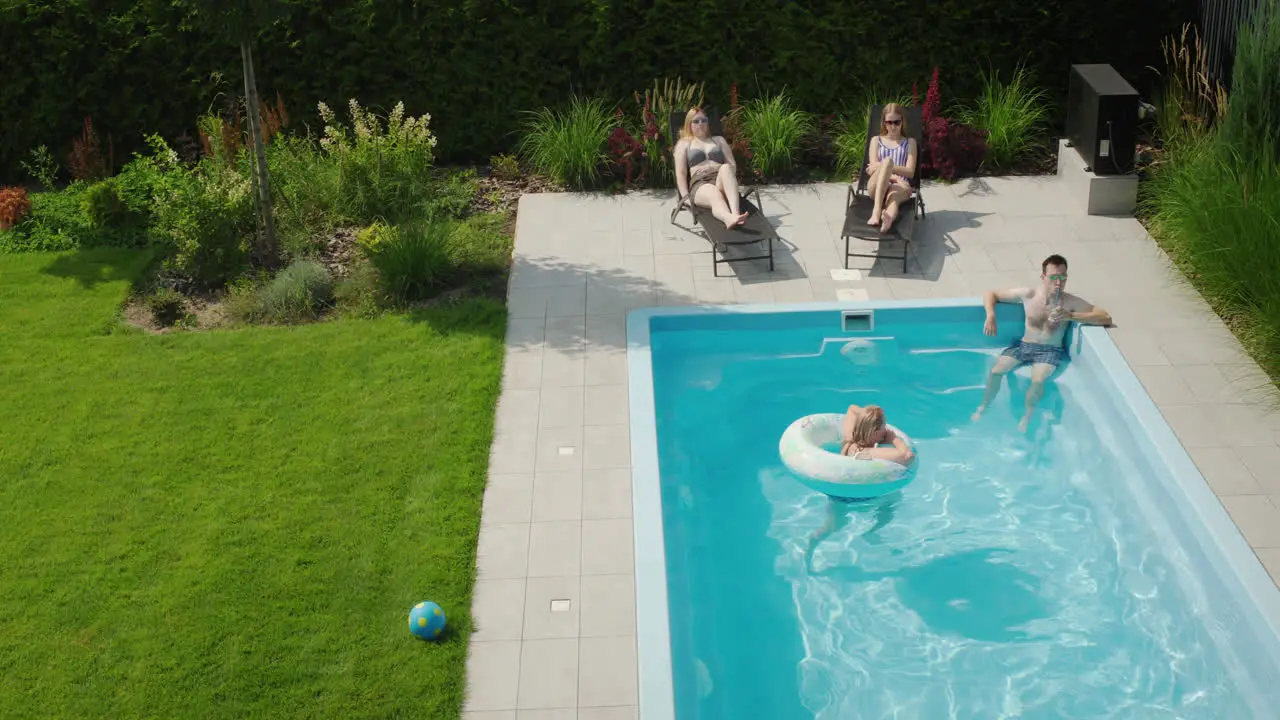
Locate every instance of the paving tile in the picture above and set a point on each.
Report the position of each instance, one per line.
(502, 551)
(628, 712)
(1207, 383)
(1263, 463)
(561, 407)
(563, 369)
(1257, 518)
(1223, 470)
(555, 549)
(606, 405)
(606, 446)
(493, 675)
(637, 242)
(497, 609)
(522, 371)
(557, 714)
(548, 674)
(1164, 384)
(606, 671)
(608, 606)
(508, 499)
(1139, 347)
(607, 547)
(526, 331)
(606, 494)
(490, 715)
(607, 333)
(552, 608)
(557, 496)
(513, 451)
(1270, 558)
(566, 333)
(517, 410)
(559, 449)
(605, 368)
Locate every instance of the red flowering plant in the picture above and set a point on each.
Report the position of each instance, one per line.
(14, 206)
(626, 154)
(951, 149)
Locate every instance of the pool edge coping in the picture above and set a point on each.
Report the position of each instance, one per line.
(655, 680)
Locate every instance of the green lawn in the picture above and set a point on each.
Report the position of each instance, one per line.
(233, 523)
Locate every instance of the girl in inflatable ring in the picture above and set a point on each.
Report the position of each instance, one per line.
(865, 436)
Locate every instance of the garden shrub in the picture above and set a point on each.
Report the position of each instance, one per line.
(56, 222)
(412, 260)
(305, 181)
(359, 294)
(86, 161)
(568, 145)
(951, 149)
(299, 292)
(1213, 200)
(383, 163)
(205, 216)
(42, 168)
(504, 167)
(167, 306)
(1011, 114)
(14, 206)
(775, 128)
(451, 194)
(104, 207)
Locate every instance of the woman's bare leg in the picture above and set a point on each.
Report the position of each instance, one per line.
(709, 196)
(879, 185)
(893, 203)
(727, 182)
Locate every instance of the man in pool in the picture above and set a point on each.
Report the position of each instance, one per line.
(1048, 310)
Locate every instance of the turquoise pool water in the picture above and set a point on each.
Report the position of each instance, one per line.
(1046, 574)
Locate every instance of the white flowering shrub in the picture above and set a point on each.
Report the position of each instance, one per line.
(204, 214)
(384, 164)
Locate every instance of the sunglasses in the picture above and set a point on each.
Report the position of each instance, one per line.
(892, 122)
(1063, 278)
(699, 121)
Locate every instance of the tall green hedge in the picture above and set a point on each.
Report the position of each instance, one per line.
(475, 64)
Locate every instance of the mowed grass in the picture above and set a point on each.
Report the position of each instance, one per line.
(234, 523)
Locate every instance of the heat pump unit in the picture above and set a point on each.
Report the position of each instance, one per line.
(1102, 118)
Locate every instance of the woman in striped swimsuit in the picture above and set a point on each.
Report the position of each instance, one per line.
(891, 163)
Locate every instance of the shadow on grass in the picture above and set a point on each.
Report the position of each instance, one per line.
(94, 266)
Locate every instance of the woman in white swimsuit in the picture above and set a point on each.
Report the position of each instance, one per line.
(891, 163)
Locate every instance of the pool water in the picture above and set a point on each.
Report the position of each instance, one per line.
(1021, 574)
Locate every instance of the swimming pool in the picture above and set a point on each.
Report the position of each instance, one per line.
(1080, 570)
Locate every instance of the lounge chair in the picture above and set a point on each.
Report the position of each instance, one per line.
(756, 235)
(859, 204)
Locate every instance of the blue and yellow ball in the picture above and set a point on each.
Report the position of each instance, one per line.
(426, 620)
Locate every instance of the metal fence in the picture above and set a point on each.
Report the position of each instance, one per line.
(1220, 23)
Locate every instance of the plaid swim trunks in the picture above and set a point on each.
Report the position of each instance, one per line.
(1035, 353)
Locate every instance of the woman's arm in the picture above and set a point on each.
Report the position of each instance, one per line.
(728, 153)
(682, 168)
(850, 417)
(912, 152)
(899, 453)
(873, 157)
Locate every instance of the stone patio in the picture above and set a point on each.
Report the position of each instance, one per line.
(554, 603)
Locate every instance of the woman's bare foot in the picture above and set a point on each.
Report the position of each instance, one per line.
(742, 218)
(735, 221)
(889, 216)
(875, 219)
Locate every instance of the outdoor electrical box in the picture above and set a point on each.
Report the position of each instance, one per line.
(1102, 119)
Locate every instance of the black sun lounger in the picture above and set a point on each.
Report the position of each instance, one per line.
(859, 204)
(753, 240)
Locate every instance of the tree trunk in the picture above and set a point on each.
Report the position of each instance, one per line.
(268, 251)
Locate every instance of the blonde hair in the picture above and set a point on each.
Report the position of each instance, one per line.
(686, 132)
(891, 109)
(868, 425)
